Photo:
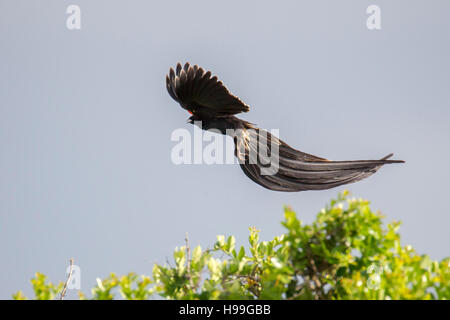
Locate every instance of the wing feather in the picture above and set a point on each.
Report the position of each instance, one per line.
(203, 95)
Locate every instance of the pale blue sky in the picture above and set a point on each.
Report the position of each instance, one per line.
(85, 123)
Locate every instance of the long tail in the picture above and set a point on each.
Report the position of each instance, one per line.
(299, 171)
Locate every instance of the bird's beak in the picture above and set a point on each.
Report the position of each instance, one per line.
(190, 120)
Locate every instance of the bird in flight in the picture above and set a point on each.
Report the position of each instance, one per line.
(209, 101)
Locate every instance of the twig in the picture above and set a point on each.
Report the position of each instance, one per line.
(320, 294)
(63, 292)
(188, 254)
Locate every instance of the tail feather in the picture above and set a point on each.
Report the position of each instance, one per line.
(299, 171)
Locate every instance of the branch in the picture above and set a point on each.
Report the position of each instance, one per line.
(188, 259)
(63, 292)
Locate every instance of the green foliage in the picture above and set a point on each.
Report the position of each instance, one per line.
(43, 290)
(346, 253)
(130, 287)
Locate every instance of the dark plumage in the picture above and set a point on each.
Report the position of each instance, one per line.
(209, 101)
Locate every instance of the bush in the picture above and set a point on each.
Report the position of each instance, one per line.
(346, 253)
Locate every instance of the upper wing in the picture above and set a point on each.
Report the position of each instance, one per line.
(201, 94)
(279, 167)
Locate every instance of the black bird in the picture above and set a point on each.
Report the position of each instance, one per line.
(209, 101)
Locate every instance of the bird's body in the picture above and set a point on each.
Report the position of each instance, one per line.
(209, 101)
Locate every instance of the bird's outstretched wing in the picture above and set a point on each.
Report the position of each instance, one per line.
(280, 167)
(201, 94)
